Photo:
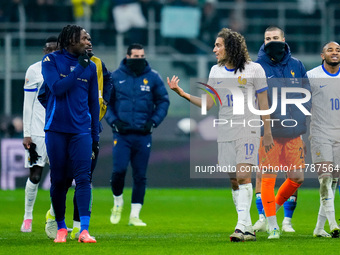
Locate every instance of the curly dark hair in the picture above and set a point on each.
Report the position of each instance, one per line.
(235, 48)
(69, 34)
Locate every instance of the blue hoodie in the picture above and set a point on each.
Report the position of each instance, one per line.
(137, 99)
(290, 72)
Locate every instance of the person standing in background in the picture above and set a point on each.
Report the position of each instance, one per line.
(282, 70)
(34, 135)
(139, 102)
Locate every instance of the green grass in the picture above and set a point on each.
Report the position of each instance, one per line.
(180, 221)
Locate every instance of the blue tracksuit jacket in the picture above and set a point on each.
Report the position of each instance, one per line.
(72, 98)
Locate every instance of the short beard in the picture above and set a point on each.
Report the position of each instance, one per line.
(332, 63)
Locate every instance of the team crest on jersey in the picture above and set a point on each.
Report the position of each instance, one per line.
(114, 142)
(318, 154)
(145, 86)
(241, 81)
(72, 68)
(46, 59)
(293, 79)
(27, 81)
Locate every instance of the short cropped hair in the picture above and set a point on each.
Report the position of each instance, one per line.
(274, 28)
(134, 46)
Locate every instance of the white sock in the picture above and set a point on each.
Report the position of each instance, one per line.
(262, 217)
(320, 224)
(243, 207)
(118, 200)
(135, 210)
(272, 223)
(52, 211)
(235, 197)
(31, 191)
(287, 220)
(249, 226)
(277, 207)
(327, 200)
(334, 185)
(76, 224)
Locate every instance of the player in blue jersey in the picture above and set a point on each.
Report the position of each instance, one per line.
(72, 124)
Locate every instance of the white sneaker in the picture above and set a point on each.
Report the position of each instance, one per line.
(116, 214)
(26, 226)
(51, 226)
(237, 236)
(248, 236)
(260, 225)
(75, 233)
(136, 222)
(287, 227)
(321, 233)
(274, 234)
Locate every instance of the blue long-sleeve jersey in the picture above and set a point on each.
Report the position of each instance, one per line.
(72, 96)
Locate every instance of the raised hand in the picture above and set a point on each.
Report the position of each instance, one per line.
(173, 84)
(84, 60)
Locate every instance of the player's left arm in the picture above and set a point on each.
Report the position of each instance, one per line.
(260, 84)
(30, 93)
(93, 103)
(57, 84)
(161, 101)
(107, 86)
(268, 141)
(306, 85)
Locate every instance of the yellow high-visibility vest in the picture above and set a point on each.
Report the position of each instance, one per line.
(100, 78)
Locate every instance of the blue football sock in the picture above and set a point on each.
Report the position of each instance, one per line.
(84, 223)
(259, 205)
(61, 224)
(289, 206)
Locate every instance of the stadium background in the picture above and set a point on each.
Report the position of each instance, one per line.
(183, 48)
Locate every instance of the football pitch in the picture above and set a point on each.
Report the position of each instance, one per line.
(180, 221)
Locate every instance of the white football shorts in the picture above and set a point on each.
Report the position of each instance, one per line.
(325, 150)
(244, 150)
(40, 149)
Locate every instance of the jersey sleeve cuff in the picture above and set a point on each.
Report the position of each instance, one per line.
(261, 90)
